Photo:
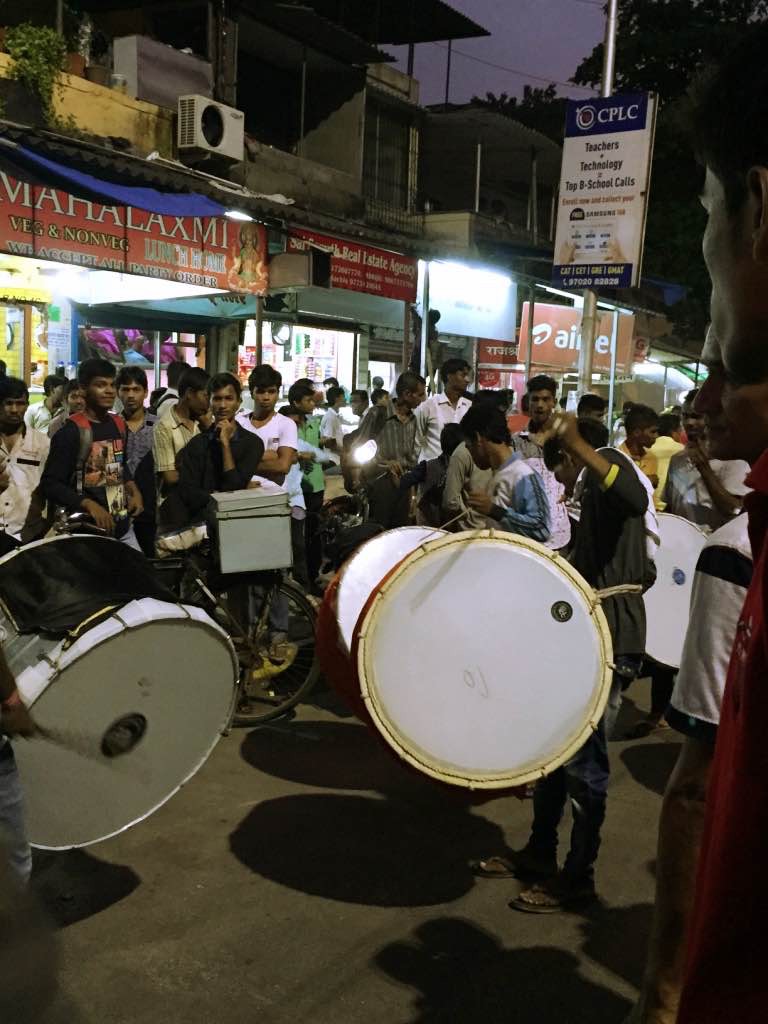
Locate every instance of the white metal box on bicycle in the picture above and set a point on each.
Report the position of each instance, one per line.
(254, 528)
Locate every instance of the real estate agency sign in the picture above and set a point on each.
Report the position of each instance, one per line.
(212, 252)
(361, 268)
(557, 338)
(604, 184)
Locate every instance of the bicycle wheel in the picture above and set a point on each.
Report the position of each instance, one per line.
(281, 674)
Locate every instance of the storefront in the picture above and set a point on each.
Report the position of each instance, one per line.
(35, 323)
(81, 277)
(352, 330)
(298, 351)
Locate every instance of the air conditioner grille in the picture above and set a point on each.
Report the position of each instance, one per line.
(187, 122)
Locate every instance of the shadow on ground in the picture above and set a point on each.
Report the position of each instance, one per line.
(463, 974)
(367, 850)
(617, 938)
(73, 885)
(651, 764)
(346, 756)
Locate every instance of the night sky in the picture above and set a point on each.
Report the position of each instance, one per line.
(547, 38)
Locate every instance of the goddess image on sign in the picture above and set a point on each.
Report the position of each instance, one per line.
(247, 260)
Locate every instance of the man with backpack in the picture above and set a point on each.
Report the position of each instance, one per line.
(87, 469)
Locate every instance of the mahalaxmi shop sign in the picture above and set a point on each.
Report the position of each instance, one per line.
(50, 224)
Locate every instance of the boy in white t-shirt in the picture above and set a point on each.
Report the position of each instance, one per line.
(331, 430)
(278, 433)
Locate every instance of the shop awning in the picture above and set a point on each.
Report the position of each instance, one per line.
(57, 175)
(401, 21)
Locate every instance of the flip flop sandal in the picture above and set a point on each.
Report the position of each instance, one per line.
(493, 867)
(544, 899)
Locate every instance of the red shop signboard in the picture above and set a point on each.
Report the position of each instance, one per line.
(496, 355)
(212, 252)
(360, 268)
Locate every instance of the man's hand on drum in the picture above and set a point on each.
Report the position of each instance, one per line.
(480, 502)
(99, 515)
(134, 500)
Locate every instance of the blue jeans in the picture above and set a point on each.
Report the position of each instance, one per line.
(13, 836)
(583, 779)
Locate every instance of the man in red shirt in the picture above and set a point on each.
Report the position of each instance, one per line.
(725, 977)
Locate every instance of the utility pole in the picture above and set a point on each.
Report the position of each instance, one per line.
(589, 312)
(448, 73)
(60, 17)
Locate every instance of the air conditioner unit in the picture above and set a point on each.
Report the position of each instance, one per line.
(209, 131)
(291, 270)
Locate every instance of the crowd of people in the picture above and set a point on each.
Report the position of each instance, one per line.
(449, 461)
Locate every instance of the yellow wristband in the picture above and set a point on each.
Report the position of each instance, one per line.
(609, 478)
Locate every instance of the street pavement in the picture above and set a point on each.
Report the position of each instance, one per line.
(305, 875)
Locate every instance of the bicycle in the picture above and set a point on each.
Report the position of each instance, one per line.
(269, 618)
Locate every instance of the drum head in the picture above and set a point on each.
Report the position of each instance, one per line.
(368, 566)
(667, 603)
(155, 674)
(484, 660)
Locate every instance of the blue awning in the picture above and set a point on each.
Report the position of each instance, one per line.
(56, 175)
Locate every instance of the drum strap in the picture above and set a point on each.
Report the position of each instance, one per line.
(624, 588)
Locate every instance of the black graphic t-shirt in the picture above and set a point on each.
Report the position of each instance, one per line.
(102, 478)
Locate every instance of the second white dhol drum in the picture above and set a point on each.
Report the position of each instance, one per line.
(483, 660)
(668, 601)
(368, 567)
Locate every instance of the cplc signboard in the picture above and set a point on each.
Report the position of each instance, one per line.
(604, 191)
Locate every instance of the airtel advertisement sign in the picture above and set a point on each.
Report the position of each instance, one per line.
(557, 338)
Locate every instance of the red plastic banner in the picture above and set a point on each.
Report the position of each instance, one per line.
(360, 268)
(212, 252)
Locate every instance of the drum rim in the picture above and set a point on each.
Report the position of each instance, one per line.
(362, 656)
(438, 533)
(682, 519)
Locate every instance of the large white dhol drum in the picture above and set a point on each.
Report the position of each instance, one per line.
(368, 566)
(133, 689)
(667, 603)
(483, 660)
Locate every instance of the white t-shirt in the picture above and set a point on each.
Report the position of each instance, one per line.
(38, 417)
(723, 573)
(279, 432)
(687, 495)
(331, 427)
(432, 415)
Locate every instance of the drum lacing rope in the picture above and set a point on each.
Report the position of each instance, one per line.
(623, 588)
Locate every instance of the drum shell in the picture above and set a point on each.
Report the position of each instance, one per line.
(336, 665)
